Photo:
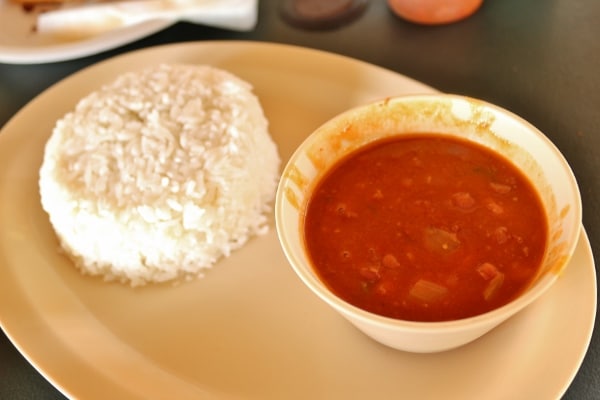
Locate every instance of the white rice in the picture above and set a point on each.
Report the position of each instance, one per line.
(159, 174)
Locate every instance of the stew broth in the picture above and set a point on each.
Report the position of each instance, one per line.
(425, 228)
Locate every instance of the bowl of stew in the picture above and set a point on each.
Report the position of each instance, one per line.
(427, 220)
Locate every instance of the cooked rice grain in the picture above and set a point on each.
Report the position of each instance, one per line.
(159, 174)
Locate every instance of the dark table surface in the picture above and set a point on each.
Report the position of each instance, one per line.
(537, 58)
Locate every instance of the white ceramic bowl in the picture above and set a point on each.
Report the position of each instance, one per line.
(453, 115)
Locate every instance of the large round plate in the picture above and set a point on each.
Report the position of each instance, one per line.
(249, 329)
(20, 44)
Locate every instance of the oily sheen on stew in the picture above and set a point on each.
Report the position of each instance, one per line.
(425, 228)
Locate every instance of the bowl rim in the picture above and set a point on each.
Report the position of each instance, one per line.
(310, 277)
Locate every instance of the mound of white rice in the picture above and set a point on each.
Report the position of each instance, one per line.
(160, 174)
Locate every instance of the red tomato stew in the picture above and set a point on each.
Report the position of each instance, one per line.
(425, 228)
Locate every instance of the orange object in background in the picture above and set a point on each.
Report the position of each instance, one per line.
(434, 12)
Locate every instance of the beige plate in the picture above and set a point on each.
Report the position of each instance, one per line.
(249, 329)
(20, 44)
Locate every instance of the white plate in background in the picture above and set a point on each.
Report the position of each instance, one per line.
(21, 44)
